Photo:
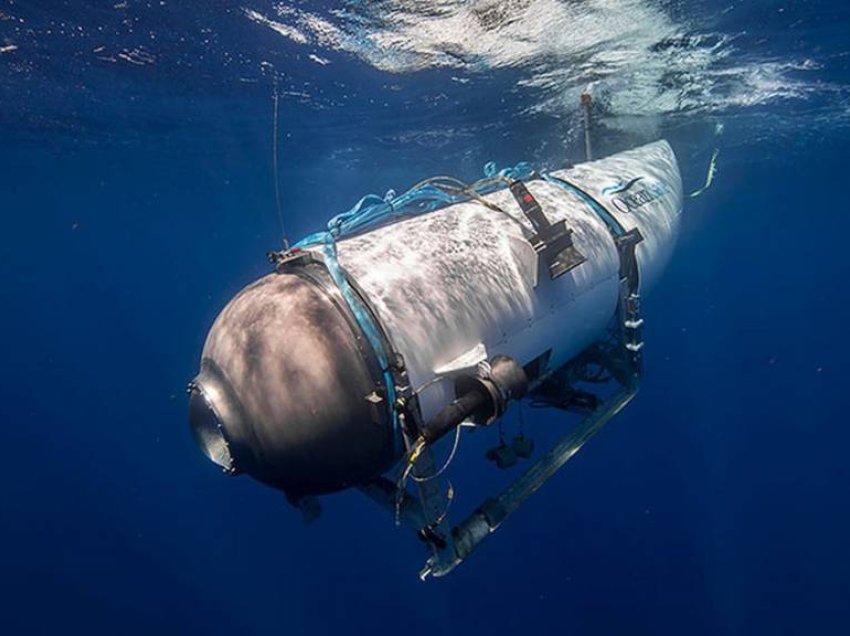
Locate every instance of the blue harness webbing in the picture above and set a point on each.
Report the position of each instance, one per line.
(363, 217)
(613, 225)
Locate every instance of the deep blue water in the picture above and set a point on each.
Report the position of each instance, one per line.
(136, 192)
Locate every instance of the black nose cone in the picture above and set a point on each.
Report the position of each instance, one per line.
(288, 392)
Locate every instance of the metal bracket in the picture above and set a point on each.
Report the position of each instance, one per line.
(287, 256)
(426, 510)
(553, 242)
(628, 309)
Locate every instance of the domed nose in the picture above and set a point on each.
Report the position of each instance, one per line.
(287, 390)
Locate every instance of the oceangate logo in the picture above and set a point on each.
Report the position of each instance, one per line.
(628, 197)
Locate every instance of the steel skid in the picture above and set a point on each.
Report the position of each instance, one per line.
(596, 386)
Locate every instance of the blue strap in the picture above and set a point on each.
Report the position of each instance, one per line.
(367, 324)
(369, 212)
(373, 210)
(609, 220)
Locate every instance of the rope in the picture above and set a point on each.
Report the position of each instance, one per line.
(428, 195)
(709, 177)
(445, 464)
(276, 171)
(712, 164)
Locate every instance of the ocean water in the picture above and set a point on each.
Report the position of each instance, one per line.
(136, 190)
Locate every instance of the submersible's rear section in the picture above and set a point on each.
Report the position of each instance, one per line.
(320, 375)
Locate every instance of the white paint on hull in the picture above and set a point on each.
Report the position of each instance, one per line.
(444, 283)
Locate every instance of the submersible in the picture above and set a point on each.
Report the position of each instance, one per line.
(414, 315)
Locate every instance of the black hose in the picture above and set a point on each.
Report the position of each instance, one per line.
(456, 412)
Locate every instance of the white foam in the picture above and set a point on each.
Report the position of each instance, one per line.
(285, 30)
(631, 52)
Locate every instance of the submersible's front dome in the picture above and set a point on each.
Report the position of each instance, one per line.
(287, 391)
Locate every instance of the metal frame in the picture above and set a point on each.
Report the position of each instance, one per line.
(425, 509)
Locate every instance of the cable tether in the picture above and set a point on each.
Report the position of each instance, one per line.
(709, 177)
(276, 173)
(712, 165)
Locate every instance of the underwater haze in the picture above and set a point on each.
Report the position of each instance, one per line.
(137, 197)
